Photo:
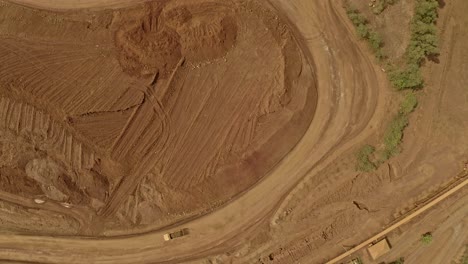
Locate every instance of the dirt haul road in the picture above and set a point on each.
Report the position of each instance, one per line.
(350, 99)
(405, 219)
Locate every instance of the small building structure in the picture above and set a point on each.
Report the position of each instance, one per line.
(379, 248)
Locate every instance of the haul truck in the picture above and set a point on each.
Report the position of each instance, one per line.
(176, 234)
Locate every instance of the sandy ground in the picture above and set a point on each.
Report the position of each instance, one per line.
(302, 211)
(448, 226)
(211, 98)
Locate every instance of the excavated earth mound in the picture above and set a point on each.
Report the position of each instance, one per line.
(114, 121)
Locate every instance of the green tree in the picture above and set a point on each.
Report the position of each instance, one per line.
(364, 162)
(407, 78)
(394, 135)
(363, 31)
(379, 7)
(375, 41)
(398, 261)
(426, 11)
(355, 17)
(424, 42)
(426, 239)
(409, 103)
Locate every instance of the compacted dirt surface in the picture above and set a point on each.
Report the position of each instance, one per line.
(165, 108)
(238, 120)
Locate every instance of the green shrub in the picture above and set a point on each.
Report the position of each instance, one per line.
(464, 258)
(363, 31)
(424, 42)
(398, 261)
(375, 40)
(394, 135)
(409, 103)
(381, 5)
(426, 11)
(376, 43)
(407, 78)
(356, 17)
(364, 162)
(379, 54)
(357, 261)
(426, 239)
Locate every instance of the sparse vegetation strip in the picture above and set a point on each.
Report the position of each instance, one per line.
(366, 32)
(423, 45)
(380, 5)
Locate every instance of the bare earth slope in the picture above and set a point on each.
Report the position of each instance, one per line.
(218, 140)
(144, 115)
(333, 131)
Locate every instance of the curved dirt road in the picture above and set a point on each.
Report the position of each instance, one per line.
(349, 86)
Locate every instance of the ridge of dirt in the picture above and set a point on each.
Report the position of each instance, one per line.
(150, 114)
(219, 140)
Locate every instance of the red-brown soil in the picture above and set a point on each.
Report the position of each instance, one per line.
(153, 117)
(140, 114)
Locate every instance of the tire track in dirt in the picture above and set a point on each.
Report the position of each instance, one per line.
(353, 133)
(78, 215)
(438, 198)
(131, 182)
(182, 171)
(147, 158)
(353, 129)
(217, 231)
(439, 79)
(24, 120)
(83, 121)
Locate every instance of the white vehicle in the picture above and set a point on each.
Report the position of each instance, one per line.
(39, 201)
